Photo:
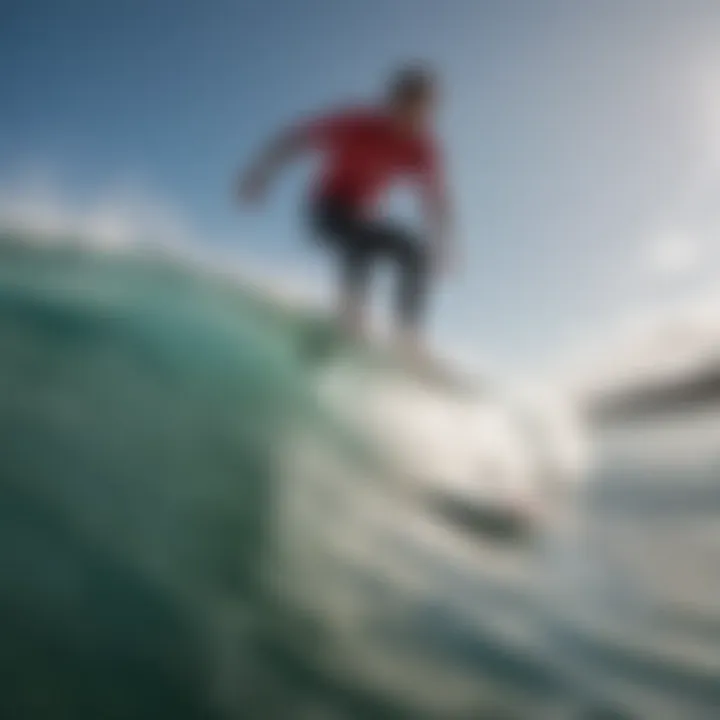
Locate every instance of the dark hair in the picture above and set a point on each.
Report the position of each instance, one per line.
(411, 83)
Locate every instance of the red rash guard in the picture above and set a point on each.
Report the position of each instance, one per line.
(364, 152)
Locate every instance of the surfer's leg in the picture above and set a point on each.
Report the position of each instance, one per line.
(353, 290)
(353, 249)
(410, 256)
(413, 288)
(412, 295)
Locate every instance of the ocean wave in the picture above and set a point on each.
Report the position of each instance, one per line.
(212, 507)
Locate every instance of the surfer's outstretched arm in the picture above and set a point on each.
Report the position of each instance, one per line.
(284, 148)
(437, 214)
(303, 137)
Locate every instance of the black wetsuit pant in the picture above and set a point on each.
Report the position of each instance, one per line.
(360, 242)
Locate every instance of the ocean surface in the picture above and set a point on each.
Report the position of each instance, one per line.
(192, 527)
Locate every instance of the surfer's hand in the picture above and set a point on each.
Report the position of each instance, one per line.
(253, 187)
(442, 260)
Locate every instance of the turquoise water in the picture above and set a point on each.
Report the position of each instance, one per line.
(188, 529)
(139, 411)
(169, 547)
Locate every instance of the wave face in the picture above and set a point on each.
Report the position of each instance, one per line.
(192, 527)
(140, 412)
(197, 521)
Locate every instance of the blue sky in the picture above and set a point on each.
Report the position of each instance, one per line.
(581, 138)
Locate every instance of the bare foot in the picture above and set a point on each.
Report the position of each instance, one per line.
(351, 319)
(412, 349)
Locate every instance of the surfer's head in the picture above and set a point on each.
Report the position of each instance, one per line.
(412, 94)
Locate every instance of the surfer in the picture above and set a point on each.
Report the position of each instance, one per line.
(363, 150)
